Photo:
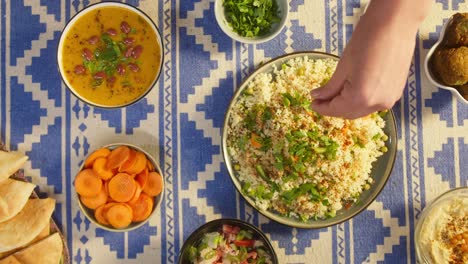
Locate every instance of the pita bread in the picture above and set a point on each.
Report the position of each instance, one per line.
(46, 251)
(15, 194)
(43, 234)
(10, 162)
(3, 207)
(26, 225)
(10, 260)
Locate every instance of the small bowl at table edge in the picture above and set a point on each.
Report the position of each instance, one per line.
(214, 225)
(427, 65)
(283, 8)
(432, 205)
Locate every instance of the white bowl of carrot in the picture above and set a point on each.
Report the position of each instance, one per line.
(119, 187)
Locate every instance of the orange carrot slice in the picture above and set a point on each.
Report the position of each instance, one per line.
(87, 183)
(100, 216)
(154, 185)
(139, 164)
(117, 157)
(150, 166)
(100, 153)
(106, 187)
(119, 215)
(95, 201)
(142, 207)
(142, 178)
(99, 167)
(129, 163)
(107, 206)
(122, 187)
(137, 193)
(254, 140)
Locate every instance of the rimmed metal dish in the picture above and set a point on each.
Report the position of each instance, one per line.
(380, 173)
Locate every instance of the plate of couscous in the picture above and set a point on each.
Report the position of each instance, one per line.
(294, 165)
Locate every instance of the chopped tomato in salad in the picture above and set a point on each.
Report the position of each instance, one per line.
(231, 245)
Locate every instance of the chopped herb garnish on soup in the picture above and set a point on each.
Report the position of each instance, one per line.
(250, 18)
(111, 56)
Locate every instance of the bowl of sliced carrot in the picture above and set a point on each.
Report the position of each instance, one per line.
(119, 187)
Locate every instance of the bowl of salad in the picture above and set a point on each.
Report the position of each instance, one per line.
(227, 241)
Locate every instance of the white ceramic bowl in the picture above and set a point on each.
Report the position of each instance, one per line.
(89, 213)
(213, 226)
(85, 11)
(427, 66)
(283, 7)
(437, 206)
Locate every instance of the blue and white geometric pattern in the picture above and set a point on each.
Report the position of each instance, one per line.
(180, 122)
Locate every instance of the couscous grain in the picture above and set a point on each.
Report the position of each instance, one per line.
(289, 158)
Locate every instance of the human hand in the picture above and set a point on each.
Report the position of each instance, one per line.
(372, 72)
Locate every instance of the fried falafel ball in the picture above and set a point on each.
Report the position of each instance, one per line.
(451, 65)
(457, 32)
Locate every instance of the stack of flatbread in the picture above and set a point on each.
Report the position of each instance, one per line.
(24, 223)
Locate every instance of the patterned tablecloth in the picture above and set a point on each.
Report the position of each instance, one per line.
(180, 123)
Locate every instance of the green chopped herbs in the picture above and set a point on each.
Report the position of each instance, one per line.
(243, 234)
(192, 253)
(242, 142)
(306, 188)
(266, 143)
(261, 172)
(250, 18)
(105, 59)
(259, 115)
(297, 100)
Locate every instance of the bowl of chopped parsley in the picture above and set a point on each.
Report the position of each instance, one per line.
(251, 21)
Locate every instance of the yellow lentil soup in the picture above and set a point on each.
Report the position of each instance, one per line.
(110, 56)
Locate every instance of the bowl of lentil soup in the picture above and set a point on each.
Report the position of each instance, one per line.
(110, 54)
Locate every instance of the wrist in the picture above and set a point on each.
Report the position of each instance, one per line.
(405, 15)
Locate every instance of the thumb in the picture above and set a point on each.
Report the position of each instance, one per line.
(330, 89)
